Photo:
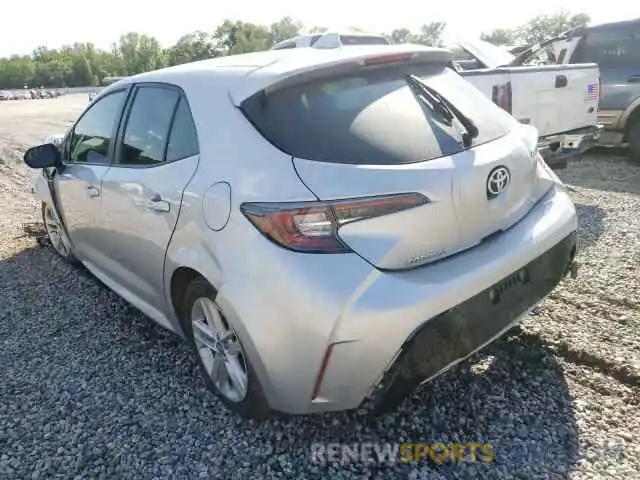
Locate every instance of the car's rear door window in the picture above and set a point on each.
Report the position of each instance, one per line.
(147, 128)
(373, 117)
(183, 138)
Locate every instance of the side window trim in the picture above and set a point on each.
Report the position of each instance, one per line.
(166, 140)
(135, 87)
(114, 133)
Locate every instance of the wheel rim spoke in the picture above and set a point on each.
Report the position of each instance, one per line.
(213, 317)
(204, 335)
(218, 372)
(53, 231)
(220, 350)
(208, 358)
(237, 375)
(234, 348)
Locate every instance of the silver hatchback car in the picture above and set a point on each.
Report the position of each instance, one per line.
(327, 228)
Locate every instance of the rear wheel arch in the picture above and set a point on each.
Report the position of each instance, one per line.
(632, 132)
(629, 115)
(187, 285)
(180, 280)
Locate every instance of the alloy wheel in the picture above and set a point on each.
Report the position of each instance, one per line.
(220, 350)
(54, 232)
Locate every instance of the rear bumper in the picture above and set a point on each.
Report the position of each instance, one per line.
(459, 332)
(558, 150)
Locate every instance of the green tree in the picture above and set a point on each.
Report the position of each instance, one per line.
(430, 34)
(401, 35)
(501, 36)
(284, 29)
(241, 37)
(17, 71)
(191, 48)
(544, 26)
(81, 74)
(140, 53)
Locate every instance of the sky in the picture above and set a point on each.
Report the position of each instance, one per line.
(68, 21)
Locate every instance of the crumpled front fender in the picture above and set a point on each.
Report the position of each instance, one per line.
(39, 187)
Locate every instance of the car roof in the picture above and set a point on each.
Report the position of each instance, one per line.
(249, 73)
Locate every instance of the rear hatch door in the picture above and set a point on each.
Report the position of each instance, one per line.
(367, 134)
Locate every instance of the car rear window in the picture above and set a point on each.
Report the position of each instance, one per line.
(373, 117)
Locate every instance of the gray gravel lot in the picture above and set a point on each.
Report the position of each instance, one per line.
(90, 388)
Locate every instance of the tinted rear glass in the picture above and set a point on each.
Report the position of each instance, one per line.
(373, 117)
(616, 46)
(362, 40)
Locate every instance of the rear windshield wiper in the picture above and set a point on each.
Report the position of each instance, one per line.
(444, 108)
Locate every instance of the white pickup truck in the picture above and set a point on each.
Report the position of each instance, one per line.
(560, 101)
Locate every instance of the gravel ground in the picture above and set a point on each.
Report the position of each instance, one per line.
(90, 388)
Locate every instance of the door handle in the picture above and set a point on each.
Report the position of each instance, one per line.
(561, 81)
(634, 79)
(158, 204)
(93, 191)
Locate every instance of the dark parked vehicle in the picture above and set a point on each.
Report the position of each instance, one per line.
(615, 47)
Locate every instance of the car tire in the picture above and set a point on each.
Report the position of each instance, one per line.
(633, 137)
(55, 234)
(202, 312)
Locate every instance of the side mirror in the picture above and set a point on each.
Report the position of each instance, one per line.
(43, 156)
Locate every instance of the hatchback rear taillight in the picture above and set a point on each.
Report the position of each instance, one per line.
(312, 227)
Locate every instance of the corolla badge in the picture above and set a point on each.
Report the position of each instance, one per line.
(497, 181)
(425, 257)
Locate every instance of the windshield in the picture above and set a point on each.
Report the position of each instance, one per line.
(373, 117)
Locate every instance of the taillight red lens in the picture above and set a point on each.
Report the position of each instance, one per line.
(312, 227)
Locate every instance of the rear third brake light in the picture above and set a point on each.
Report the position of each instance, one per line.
(312, 227)
(384, 59)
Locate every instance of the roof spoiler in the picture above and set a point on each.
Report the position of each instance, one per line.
(419, 56)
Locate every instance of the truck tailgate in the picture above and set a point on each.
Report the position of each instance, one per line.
(553, 98)
(560, 98)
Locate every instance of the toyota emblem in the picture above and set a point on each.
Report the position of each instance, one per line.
(497, 181)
